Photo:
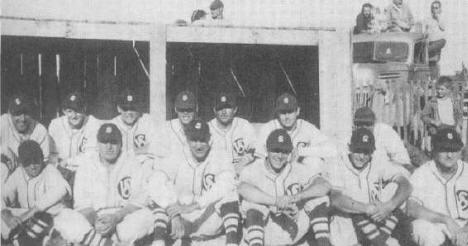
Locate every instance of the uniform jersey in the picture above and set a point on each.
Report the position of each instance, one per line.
(367, 185)
(304, 136)
(10, 138)
(171, 139)
(448, 197)
(46, 191)
(137, 138)
(182, 178)
(67, 143)
(99, 187)
(237, 141)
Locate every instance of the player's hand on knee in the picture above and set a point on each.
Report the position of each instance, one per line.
(283, 202)
(106, 224)
(371, 209)
(383, 211)
(177, 227)
(291, 211)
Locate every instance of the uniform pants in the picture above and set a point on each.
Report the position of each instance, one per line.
(426, 233)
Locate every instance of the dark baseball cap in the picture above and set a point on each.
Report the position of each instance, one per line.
(216, 4)
(446, 140)
(30, 152)
(198, 130)
(129, 100)
(185, 100)
(362, 141)
(75, 101)
(279, 141)
(225, 100)
(20, 104)
(364, 115)
(109, 133)
(286, 103)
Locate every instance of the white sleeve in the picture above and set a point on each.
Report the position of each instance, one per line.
(53, 139)
(9, 191)
(260, 146)
(161, 189)
(419, 184)
(82, 198)
(56, 190)
(394, 146)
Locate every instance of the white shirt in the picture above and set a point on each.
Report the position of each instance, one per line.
(434, 28)
(445, 108)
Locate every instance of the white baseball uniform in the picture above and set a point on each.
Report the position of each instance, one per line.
(66, 143)
(10, 138)
(106, 191)
(237, 141)
(136, 139)
(210, 183)
(376, 182)
(171, 139)
(306, 138)
(293, 179)
(448, 197)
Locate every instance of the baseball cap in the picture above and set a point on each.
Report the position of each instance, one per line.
(75, 101)
(20, 104)
(225, 100)
(364, 115)
(198, 130)
(362, 141)
(216, 4)
(185, 100)
(109, 133)
(279, 141)
(286, 103)
(446, 140)
(129, 100)
(30, 152)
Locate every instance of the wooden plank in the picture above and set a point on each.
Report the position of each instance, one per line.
(157, 71)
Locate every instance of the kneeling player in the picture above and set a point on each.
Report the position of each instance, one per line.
(108, 196)
(440, 198)
(367, 192)
(32, 195)
(197, 191)
(282, 199)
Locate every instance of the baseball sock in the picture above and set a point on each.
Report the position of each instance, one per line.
(319, 223)
(255, 231)
(160, 221)
(230, 214)
(369, 230)
(92, 238)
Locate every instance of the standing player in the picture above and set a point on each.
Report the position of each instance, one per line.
(136, 127)
(233, 135)
(18, 126)
(73, 133)
(367, 192)
(196, 189)
(282, 199)
(108, 194)
(307, 140)
(31, 197)
(440, 198)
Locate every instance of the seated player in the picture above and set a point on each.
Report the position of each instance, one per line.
(31, 197)
(232, 134)
(196, 190)
(283, 199)
(367, 193)
(439, 202)
(108, 194)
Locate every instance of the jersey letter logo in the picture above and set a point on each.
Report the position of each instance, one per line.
(208, 181)
(139, 140)
(81, 147)
(239, 146)
(293, 189)
(462, 198)
(124, 187)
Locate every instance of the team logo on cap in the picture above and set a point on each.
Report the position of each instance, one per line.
(18, 101)
(184, 97)
(365, 138)
(450, 136)
(72, 98)
(280, 139)
(286, 100)
(129, 98)
(223, 99)
(109, 129)
(198, 125)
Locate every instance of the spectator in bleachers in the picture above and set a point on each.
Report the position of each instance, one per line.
(435, 29)
(399, 17)
(364, 20)
(198, 15)
(217, 9)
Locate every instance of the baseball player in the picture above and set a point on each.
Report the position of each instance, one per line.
(73, 133)
(136, 127)
(172, 135)
(232, 134)
(386, 139)
(368, 191)
(283, 199)
(307, 140)
(109, 196)
(18, 126)
(439, 202)
(197, 191)
(31, 197)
